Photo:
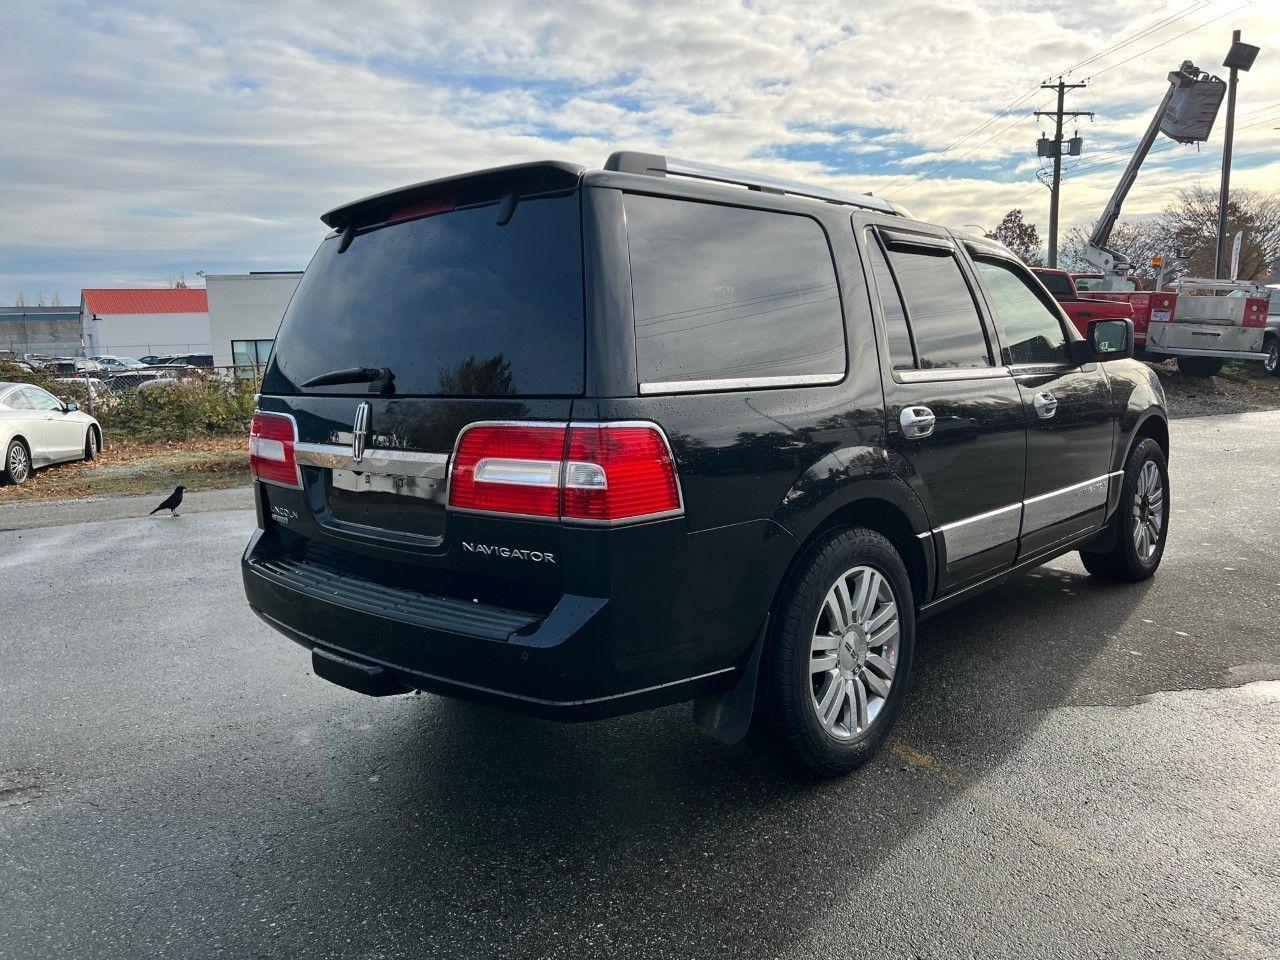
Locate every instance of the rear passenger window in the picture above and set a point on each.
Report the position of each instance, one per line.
(731, 295)
(895, 316)
(940, 309)
(1032, 332)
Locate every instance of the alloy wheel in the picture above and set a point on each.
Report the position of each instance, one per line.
(19, 463)
(1272, 362)
(1148, 512)
(854, 652)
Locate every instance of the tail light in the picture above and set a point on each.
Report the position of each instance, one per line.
(271, 456)
(618, 472)
(508, 468)
(580, 473)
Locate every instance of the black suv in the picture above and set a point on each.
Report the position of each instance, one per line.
(581, 443)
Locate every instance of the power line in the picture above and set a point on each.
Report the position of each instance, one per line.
(976, 130)
(1146, 32)
(1165, 43)
(937, 156)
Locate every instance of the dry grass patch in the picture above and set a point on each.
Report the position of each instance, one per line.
(139, 468)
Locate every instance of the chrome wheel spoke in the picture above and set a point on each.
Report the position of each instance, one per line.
(843, 602)
(836, 615)
(888, 634)
(832, 701)
(880, 665)
(858, 704)
(875, 683)
(888, 612)
(824, 642)
(870, 595)
(823, 664)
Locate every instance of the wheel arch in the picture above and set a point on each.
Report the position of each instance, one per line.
(1152, 427)
(881, 513)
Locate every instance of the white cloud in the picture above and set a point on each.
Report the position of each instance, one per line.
(146, 139)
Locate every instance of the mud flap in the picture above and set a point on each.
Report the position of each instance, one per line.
(727, 716)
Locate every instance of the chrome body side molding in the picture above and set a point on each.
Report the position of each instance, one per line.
(984, 531)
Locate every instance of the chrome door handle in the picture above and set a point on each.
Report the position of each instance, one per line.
(1046, 405)
(917, 422)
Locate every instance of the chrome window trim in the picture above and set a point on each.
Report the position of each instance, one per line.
(951, 373)
(740, 383)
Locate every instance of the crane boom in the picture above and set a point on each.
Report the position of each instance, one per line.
(1113, 265)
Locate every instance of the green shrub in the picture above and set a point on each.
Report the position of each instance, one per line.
(207, 405)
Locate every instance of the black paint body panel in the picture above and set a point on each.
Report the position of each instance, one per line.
(627, 617)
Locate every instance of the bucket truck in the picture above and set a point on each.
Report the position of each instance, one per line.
(1192, 322)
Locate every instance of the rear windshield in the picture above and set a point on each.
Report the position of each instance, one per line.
(453, 304)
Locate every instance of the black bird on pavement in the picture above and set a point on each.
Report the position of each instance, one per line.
(171, 502)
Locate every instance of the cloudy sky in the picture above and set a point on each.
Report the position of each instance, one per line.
(140, 141)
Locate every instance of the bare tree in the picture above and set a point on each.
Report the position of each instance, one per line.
(1138, 240)
(56, 301)
(1019, 236)
(1191, 223)
(20, 300)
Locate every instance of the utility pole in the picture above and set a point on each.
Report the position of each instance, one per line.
(1056, 152)
(1240, 57)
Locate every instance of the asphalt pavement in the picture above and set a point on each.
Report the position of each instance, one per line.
(1081, 770)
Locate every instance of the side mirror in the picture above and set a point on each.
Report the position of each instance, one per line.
(1111, 339)
(70, 406)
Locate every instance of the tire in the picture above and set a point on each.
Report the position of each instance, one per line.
(1200, 366)
(1271, 347)
(867, 676)
(91, 446)
(1132, 559)
(17, 463)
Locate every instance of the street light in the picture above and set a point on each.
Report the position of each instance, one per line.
(1239, 57)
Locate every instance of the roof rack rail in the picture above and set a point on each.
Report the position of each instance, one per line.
(657, 165)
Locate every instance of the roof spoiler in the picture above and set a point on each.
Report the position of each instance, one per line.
(538, 177)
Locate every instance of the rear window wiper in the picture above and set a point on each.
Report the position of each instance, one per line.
(380, 379)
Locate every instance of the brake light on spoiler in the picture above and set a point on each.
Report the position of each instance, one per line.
(605, 473)
(271, 449)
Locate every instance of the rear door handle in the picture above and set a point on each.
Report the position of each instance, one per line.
(917, 422)
(1046, 404)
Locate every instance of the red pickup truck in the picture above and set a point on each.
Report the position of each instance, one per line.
(1083, 306)
(1148, 305)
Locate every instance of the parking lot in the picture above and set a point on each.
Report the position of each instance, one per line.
(1082, 769)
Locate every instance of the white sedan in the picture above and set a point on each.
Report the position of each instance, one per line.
(37, 429)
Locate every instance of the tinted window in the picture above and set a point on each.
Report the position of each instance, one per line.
(1031, 332)
(944, 319)
(725, 293)
(452, 303)
(895, 316)
(1059, 284)
(41, 400)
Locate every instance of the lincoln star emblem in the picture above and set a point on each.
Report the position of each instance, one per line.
(360, 431)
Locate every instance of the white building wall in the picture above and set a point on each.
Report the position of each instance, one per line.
(141, 334)
(246, 307)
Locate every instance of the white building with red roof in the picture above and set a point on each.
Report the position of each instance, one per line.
(139, 322)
